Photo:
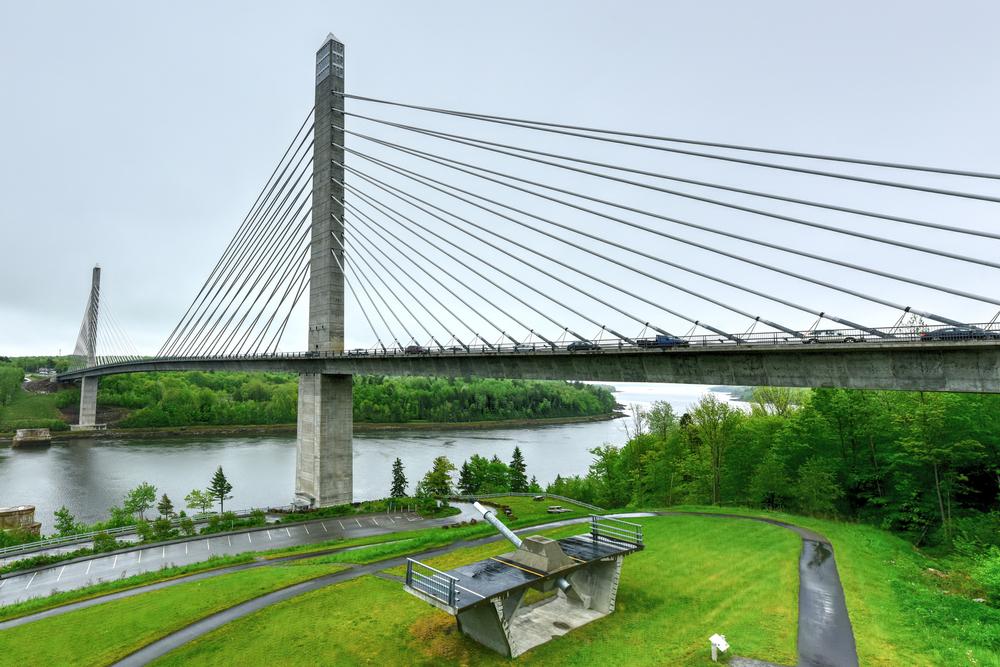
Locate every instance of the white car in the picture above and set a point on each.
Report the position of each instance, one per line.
(830, 336)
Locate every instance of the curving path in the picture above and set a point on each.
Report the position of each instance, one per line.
(825, 637)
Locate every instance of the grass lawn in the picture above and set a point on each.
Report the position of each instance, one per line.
(27, 405)
(697, 576)
(901, 613)
(104, 633)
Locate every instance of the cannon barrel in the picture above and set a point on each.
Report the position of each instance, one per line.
(491, 516)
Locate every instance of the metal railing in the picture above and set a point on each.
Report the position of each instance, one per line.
(615, 530)
(430, 581)
(78, 538)
(905, 333)
(483, 496)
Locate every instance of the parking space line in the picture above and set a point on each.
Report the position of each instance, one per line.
(286, 532)
(2, 582)
(375, 521)
(229, 538)
(391, 519)
(357, 522)
(324, 527)
(140, 557)
(249, 539)
(306, 527)
(30, 580)
(269, 536)
(341, 524)
(89, 563)
(208, 545)
(115, 562)
(185, 548)
(163, 554)
(60, 573)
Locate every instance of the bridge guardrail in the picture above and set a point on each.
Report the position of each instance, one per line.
(894, 334)
(79, 538)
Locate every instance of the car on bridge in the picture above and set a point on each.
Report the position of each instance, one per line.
(416, 349)
(830, 336)
(662, 342)
(582, 345)
(959, 333)
(358, 353)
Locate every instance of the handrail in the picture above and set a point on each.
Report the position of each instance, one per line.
(438, 585)
(615, 530)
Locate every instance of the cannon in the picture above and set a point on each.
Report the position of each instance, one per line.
(579, 576)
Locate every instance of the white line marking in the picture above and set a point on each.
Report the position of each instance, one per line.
(163, 554)
(249, 539)
(324, 527)
(287, 533)
(483, 597)
(185, 548)
(139, 560)
(207, 544)
(341, 524)
(30, 580)
(60, 573)
(269, 536)
(89, 563)
(2, 582)
(229, 539)
(307, 529)
(357, 522)
(113, 564)
(391, 519)
(375, 521)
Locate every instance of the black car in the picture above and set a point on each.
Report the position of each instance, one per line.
(959, 333)
(417, 349)
(581, 345)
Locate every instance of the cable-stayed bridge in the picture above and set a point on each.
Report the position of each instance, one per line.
(475, 244)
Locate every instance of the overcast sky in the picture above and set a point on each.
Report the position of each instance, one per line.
(136, 135)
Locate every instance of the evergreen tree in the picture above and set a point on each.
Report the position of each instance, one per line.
(65, 522)
(466, 483)
(398, 480)
(437, 481)
(165, 507)
(534, 486)
(518, 472)
(219, 488)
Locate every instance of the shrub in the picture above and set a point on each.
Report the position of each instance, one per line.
(987, 574)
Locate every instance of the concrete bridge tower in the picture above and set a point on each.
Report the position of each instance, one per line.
(324, 473)
(87, 346)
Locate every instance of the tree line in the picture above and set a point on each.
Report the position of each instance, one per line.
(477, 475)
(923, 464)
(181, 399)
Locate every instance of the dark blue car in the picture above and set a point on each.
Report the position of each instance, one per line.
(959, 333)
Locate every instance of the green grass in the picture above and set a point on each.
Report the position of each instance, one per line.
(35, 605)
(901, 613)
(697, 576)
(102, 634)
(26, 407)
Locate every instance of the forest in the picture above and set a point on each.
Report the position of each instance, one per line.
(925, 465)
(182, 399)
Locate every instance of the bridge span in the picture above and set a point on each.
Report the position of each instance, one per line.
(965, 366)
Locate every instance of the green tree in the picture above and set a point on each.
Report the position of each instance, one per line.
(769, 485)
(714, 424)
(65, 522)
(518, 472)
(219, 488)
(187, 526)
(140, 499)
(466, 484)
(661, 419)
(398, 480)
(817, 489)
(437, 481)
(199, 500)
(165, 507)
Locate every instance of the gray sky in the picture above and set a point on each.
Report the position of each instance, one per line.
(137, 135)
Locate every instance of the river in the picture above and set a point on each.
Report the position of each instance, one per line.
(88, 476)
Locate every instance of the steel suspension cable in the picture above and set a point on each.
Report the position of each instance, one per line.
(361, 305)
(350, 267)
(552, 128)
(240, 230)
(497, 148)
(584, 273)
(448, 191)
(446, 161)
(379, 207)
(359, 213)
(303, 279)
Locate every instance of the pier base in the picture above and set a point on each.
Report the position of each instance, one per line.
(88, 404)
(324, 453)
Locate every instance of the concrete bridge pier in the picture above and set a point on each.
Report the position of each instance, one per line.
(88, 403)
(87, 344)
(324, 462)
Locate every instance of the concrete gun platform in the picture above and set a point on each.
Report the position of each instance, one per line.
(486, 596)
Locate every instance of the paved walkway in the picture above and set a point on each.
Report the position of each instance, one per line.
(120, 564)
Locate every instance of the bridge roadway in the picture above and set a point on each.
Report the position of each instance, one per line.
(137, 560)
(908, 365)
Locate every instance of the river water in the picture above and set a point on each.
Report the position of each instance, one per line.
(88, 476)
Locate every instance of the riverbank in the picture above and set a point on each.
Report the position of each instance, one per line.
(287, 429)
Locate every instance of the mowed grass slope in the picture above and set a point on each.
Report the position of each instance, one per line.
(697, 576)
(102, 634)
(901, 612)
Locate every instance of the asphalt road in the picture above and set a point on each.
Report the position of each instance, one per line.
(121, 564)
